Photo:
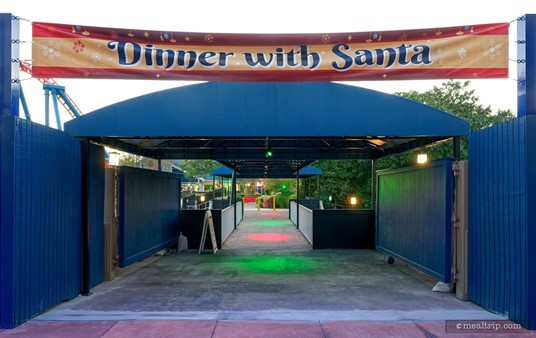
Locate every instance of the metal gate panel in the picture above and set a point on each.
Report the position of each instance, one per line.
(149, 211)
(502, 186)
(96, 214)
(414, 206)
(40, 215)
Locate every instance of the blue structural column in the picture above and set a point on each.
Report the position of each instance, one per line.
(86, 220)
(526, 107)
(9, 65)
(526, 65)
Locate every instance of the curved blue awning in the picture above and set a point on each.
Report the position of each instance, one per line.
(253, 109)
(236, 122)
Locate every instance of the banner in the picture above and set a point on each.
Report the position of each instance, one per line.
(467, 52)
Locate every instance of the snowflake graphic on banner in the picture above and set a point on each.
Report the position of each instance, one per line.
(51, 49)
(492, 50)
(96, 57)
(462, 53)
(78, 46)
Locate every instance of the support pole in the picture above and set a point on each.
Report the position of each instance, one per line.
(47, 107)
(233, 195)
(456, 148)
(85, 218)
(25, 105)
(9, 65)
(526, 65)
(318, 187)
(56, 109)
(373, 184)
(213, 189)
(298, 199)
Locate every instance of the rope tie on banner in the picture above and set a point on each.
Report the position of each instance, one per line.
(18, 18)
(521, 18)
(517, 61)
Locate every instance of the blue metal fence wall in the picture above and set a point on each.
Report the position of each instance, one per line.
(96, 215)
(413, 221)
(40, 215)
(502, 188)
(149, 213)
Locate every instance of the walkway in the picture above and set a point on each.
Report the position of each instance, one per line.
(265, 282)
(266, 230)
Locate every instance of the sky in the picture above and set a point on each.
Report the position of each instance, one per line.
(273, 16)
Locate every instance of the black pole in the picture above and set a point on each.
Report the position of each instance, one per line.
(85, 218)
(213, 190)
(318, 187)
(233, 195)
(373, 184)
(456, 148)
(298, 199)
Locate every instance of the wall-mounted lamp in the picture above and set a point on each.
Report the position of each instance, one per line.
(202, 198)
(353, 201)
(113, 158)
(422, 158)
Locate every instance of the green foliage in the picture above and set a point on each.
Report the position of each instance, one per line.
(130, 160)
(280, 185)
(198, 168)
(343, 179)
(457, 99)
(281, 201)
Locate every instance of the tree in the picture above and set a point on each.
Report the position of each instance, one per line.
(341, 179)
(198, 168)
(457, 99)
(285, 186)
(130, 160)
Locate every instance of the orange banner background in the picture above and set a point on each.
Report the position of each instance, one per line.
(479, 51)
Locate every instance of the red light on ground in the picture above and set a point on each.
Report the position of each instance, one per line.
(269, 237)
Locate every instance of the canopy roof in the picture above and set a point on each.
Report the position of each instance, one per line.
(235, 123)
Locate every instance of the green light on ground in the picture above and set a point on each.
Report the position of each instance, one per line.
(270, 224)
(274, 264)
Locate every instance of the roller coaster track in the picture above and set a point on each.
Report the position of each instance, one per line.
(58, 90)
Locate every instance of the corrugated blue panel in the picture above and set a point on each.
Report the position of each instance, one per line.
(413, 216)
(40, 219)
(499, 189)
(530, 223)
(149, 213)
(96, 212)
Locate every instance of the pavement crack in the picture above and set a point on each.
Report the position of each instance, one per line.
(111, 327)
(426, 333)
(322, 328)
(216, 324)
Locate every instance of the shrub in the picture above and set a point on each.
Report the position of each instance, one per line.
(281, 201)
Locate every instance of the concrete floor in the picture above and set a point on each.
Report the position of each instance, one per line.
(266, 281)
